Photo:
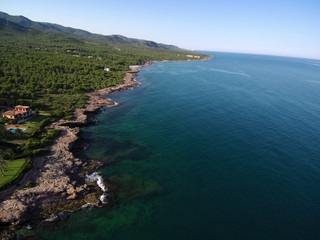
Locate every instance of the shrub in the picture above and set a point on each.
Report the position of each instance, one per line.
(29, 184)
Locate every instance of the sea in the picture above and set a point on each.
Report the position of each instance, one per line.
(227, 148)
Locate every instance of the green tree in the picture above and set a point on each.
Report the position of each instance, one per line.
(19, 132)
(8, 153)
(3, 163)
(3, 132)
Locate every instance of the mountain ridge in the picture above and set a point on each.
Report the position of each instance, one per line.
(44, 26)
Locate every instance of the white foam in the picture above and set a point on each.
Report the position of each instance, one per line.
(103, 197)
(85, 206)
(52, 218)
(114, 105)
(95, 177)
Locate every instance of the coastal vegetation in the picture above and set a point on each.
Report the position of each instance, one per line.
(51, 71)
(13, 169)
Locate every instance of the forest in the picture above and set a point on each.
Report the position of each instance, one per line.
(51, 72)
(36, 64)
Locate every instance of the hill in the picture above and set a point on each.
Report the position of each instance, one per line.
(50, 67)
(36, 66)
(25, 22)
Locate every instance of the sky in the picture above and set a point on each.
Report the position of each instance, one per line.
(273, 27)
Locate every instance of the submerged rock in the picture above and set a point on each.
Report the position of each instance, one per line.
(119, 150)
(131, 187)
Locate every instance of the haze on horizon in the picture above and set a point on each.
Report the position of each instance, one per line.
(285, 28)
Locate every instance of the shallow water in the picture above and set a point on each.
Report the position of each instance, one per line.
(222, 149)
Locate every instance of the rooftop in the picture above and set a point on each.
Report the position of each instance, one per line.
(10, 113)
(20, 106)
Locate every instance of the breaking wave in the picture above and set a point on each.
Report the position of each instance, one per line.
(95, 177)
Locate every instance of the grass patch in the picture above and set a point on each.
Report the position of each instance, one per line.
(14, 169)
(33, 123)
(16, 141)
(32, 126)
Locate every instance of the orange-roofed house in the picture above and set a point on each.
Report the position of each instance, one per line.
(19, 113)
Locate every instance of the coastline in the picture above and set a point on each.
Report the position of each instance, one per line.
(61, 177)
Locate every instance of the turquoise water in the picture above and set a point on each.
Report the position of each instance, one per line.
(222, 149)
(15, 129)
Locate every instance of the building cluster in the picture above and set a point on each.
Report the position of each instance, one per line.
(78, 54)
(192, 56)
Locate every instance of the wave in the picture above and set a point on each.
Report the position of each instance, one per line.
(95, 177)
(229, 72)
(313, 81)
(114, 105)
(313, 63)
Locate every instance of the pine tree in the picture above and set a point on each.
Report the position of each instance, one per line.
(3, 163)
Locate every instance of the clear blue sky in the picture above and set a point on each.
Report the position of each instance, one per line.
(276, 27)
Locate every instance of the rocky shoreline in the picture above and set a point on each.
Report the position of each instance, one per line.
(61, 177)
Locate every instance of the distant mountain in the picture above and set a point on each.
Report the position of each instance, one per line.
(11, 26)
(29, 24)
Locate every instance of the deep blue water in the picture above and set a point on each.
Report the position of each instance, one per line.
(221, 149)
